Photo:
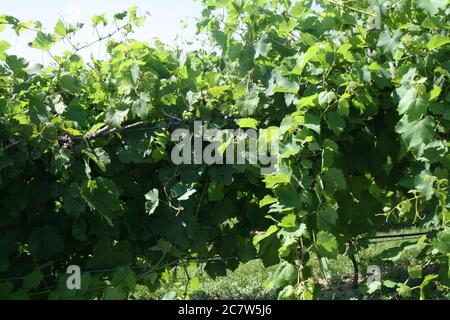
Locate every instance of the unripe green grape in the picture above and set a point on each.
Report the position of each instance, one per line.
(187, 115)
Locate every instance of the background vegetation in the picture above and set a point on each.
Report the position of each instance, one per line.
(358, 91)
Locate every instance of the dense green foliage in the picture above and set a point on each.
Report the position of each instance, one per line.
(86, 176)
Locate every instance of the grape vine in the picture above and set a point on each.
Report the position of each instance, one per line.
(363, 111)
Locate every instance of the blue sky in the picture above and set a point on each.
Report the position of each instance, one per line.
(164, 22)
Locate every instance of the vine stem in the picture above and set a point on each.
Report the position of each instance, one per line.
(12, 144)
(107, 130)
(355, 283)
(187, 282)
(109, 35)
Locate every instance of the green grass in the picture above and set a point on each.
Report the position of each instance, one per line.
(244, 283)
(247, 281)
(339, 284)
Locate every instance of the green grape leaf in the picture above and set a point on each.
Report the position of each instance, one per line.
(404, 291)
(217, 4)
(416, 134)
(257, 239)
(432, 7)
(304, 58)
(102, 195)
(326, 245)
(140, 106)
(389, 284)
(415, 272)
(268, 199)
(124, 277)
(326, 97)
(284, 275)
(216, 192)
(312, 122)
(247, 123)
(70, 83)
(60, 28)
(437, 41)
(336, 178)
(424, 183)
(425, 286)
(263, 47)
(442, 241)
(390, 44)
(43, 41)
(326, 217)
(249, 103)
(33, 280)
(281, 84)
(275, 179)
(216, 269)
(114, 293)
(135, 72)
(99, 19)
(182, 192)
(46, 242)
(411, 103)
(152, 201)
(335, 122)
(115, 117)
(4, 45)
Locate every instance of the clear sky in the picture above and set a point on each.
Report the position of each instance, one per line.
(164, 22)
